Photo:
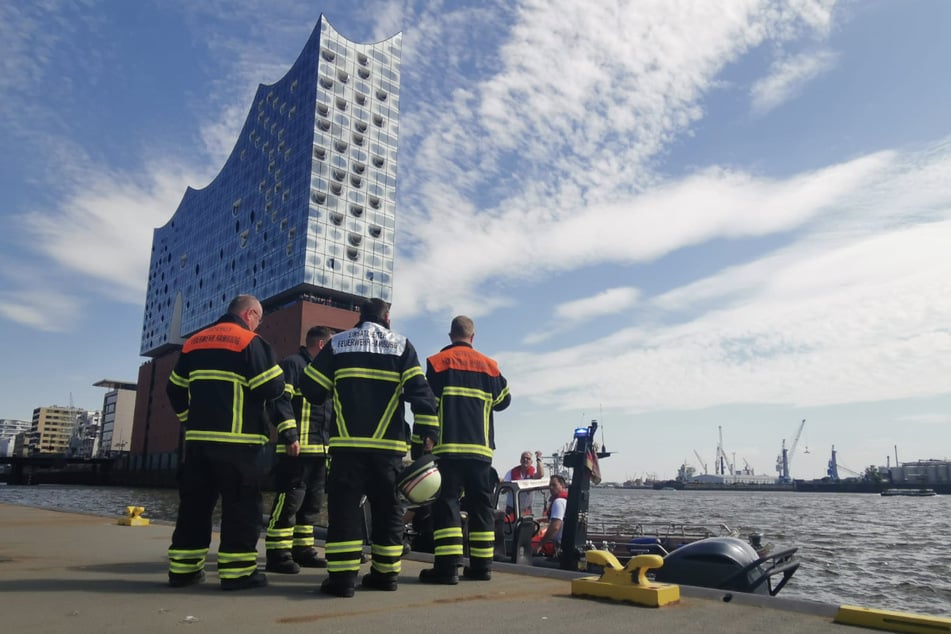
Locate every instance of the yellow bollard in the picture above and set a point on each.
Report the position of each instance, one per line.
(617, 582)
(892, 621)
(133, 517)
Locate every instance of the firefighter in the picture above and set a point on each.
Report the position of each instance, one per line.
(218, 389)
(301, 469)
(468, 388)
(369, 371)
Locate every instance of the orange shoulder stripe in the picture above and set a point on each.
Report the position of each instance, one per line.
(464, 359)
(224, 336)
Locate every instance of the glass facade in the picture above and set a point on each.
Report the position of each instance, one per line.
(305, 203)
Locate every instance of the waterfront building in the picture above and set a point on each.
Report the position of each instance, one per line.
(84, 441)
(51, 429)
(14, 436)
(922, 473)
(118, 409)
(302, 215)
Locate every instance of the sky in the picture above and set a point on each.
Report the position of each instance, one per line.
(682, 219)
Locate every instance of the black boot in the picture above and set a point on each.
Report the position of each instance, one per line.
(176, 580)
(477, 573)
(307, 557)
(281, 562)
(254, 580)
(339, 584)
(440, 576)
(380, 581)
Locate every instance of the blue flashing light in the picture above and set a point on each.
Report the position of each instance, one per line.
(581, 432)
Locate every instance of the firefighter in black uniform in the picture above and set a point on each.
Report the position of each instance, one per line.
(468, 388)
(301, 468)
(218, 389)
(369, 371)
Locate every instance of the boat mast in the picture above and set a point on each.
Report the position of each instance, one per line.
(574, 533)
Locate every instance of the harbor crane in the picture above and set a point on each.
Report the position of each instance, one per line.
(834, 466)
(700, 460)
(785, 457)
(722, 462)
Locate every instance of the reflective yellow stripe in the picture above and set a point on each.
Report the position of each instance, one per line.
(485, 536)
(367, 373)
(187, 554)
(343, 547)
(182, 416)
(288, 424)
(228, 558)
(225, 437)
(387, 568)
(237, 409)
(400, 446)
(481, 552)
(450, 549)
(259, 380)
(479, 450)
(388, 413)
(505, 392)
(178, 380)
(411, 372)
(318, 378)
(236, 573)
(217, 375)
(466, 392)
(448, 533)
(348, 565)
(387, 551)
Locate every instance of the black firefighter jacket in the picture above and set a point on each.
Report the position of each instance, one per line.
(468, 387)
(224, 376)
(313, 424)
(369, 371)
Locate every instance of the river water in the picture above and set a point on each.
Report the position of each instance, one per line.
(857, 549)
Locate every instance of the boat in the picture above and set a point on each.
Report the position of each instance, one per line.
(918, 493)
(697, 555)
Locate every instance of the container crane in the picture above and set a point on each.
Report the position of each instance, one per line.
(700, 460)
(785, 457)
(722, 463)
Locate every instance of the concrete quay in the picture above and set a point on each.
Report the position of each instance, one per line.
(62, 572)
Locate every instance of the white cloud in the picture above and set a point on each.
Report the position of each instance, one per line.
(42, 310)
(608, 302)
(788, 77)
(102, 228)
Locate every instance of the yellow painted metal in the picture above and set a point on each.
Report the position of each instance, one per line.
(892, 621)
(134, 517)
(617, 582)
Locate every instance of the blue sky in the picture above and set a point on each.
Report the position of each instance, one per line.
(671, 217)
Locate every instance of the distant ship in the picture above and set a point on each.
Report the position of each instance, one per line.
(918, 493)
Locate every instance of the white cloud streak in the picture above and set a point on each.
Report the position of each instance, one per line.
(787, 78)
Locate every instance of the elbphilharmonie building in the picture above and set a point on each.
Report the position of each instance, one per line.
(302, 214)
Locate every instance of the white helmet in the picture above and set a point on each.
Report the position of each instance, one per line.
(420, 482)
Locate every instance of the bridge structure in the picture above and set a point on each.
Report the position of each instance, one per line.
(26, 469)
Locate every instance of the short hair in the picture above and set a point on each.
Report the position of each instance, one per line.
(317, 333)
(560, 479)
(242, 303)
(462, 327)
(374, 310)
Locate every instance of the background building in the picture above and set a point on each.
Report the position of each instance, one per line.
(84, 441)
(118, 410)
(302, 215)
(52, 428)
(14, 436)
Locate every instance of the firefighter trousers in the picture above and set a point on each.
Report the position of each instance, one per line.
(299, 481)
(210, 470)
(354, 474)
(476, 480)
